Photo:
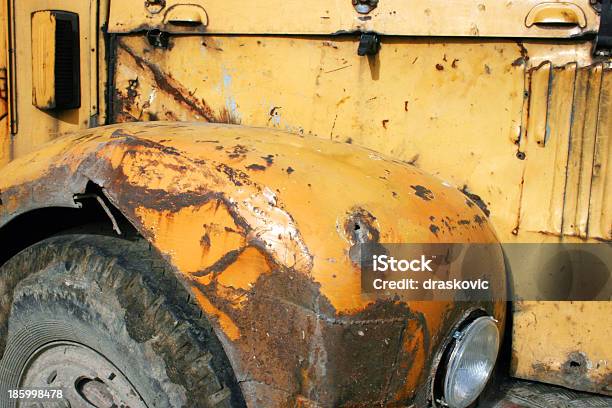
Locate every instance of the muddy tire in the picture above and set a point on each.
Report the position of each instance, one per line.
(103, 320)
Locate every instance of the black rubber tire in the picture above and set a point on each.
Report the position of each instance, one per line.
(118, 298)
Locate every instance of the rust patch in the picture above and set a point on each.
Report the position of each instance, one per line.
(423, 192)
(229, 327)
(434, 229)
(236, 177)
(120, 133)
(523, 51)
(167, 84)
(360, 227)
(573, 373)
(518, 62)
(237, 152)
(413, 161)
(274, 112)
(475, 199)
(256, 167)
(227, 116)
(576, 364)
(269, 159)
(180, 201)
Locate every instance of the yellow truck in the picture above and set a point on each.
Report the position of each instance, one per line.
(185, 187)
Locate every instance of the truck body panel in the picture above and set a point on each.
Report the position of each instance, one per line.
(222, 203)
(507, 101)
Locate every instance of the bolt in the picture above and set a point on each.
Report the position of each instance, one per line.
(154, 6)
(364, 6)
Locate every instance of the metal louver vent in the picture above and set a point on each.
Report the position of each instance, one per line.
(67, 72)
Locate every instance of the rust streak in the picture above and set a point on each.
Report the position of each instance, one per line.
(182, 96)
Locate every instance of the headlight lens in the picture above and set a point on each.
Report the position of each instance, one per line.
(471, 362)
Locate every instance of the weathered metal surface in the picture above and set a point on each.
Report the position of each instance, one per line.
(564, 343)
(260, 224)
(5, 143)
(32, 126)
(465, 18)
(566, 142)
(386, 103)
(43, 26)
(463, 109)
(476, 121)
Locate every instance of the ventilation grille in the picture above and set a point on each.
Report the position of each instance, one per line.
(67, 64)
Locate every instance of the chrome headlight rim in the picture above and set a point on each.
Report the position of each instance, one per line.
(448, 356)
(467, 332)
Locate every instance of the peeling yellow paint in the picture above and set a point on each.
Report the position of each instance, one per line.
(228, 327)
(247, 268)
(182, 234)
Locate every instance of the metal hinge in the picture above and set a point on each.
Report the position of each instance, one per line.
(369, 44)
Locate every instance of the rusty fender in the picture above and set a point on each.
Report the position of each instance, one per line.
(259, 224)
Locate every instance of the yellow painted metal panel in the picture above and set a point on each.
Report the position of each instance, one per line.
(560, 114)
(539, 98)
(282, 209)
(465, 18)
(35, 127)
(454, 108)
(425, 102)
(5, 142)
(564, 343)
(388, 103)
(561, 152)
(547, 148)
(588, 149)
(600, 214)
(43, 59)
(575, 163)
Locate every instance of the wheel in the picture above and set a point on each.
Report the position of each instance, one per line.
(105, 322)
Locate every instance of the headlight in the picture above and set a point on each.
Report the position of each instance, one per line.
(471, 362)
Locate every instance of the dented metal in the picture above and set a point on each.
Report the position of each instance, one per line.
(256, 252)
(264, 227)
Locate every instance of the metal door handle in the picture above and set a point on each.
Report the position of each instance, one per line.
(556, 15)
(186, 15)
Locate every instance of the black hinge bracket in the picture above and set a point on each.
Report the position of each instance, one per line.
(604, 36)
(369, 44)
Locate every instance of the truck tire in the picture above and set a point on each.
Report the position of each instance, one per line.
(103, 320)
